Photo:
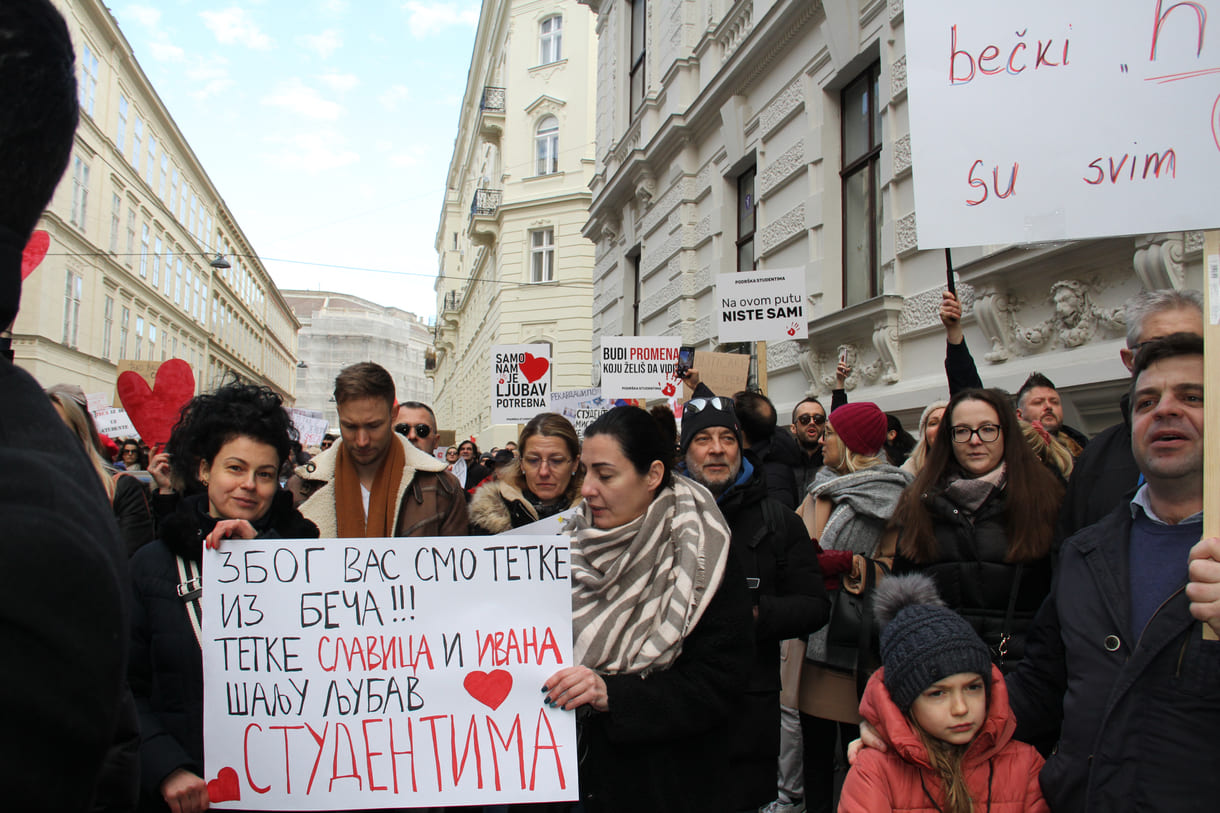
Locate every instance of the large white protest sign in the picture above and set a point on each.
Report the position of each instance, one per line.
(113, 422)
(1048, 120)
(520, 382)
(310, 424)
(364, 673)
(639, 366)
(762, 305)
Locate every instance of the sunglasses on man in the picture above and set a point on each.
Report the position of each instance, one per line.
(805, 419)
(422, 430)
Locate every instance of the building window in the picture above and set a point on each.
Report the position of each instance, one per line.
(186, 301)
(152, 160)
(192, 227)
(182, 204)
(746, 220)
(156, 264)
(152, 341)
(639, 23)
(546, 141)
(139, 336)
(144, 252)
(131, 234)
(542, 255)
(107, 326)
(137, 143)
(164, 175)
(207, 235)
(637, 291)
(169, 268)
(116, 215)
(551, 39)
(202, 308)
(178, 282)
(123, 333)
(121, 134)
(173, 191)
(860, 107)
(72, 295)
(88, 79)
(80, 193)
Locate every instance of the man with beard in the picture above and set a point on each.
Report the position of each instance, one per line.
(1038, 400)
(808, 423)
(781, 571)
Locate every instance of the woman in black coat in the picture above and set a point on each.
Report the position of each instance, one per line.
(231, 444)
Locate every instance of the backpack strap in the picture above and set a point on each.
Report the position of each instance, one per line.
(189, 590)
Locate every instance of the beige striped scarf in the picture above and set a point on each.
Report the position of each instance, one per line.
(639, 589)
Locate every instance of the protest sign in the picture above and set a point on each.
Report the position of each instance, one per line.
(762, 305)
(114, 423)
(97, 400)
(639, 366)
(310, 424)
(723, 373)
(553, 524)
(580, 407)
(520, 381)
(363, 673)
(1047, 120)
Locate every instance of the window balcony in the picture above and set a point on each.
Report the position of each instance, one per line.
(491, 113)
(484, 224)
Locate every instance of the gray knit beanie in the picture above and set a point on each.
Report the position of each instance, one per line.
(922, 641)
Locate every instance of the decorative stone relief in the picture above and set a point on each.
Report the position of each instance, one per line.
(1158, 260)
(703, 181)
(782, 355)
(850, 353)
(785, 228)
(898, 79)
(665, 204)
(656, 256)
(702, 331)
(905, 240)
(1075, 320)
(645, 189)
(652, 304)
(885, 342)
(1193, 244)
(993, 310)
(922, 310)
(809, 364)
(895, 13)
(902, 156)
(777, 112)
(611, 228)
(703, 229)
(782, 168)
(697, 282)
(737, 24)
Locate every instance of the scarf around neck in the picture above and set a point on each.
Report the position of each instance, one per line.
(640, 588)
(969, 493)
(349, 503)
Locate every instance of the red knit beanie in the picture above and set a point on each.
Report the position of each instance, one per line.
(861, 426)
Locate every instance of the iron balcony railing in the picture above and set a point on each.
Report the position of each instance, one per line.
(493, 100)
(485, 203)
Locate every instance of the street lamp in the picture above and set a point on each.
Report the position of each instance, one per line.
(219, 262)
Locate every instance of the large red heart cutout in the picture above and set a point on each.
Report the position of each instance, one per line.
(489, 688)
(154, 411)
(533, 368)
(35, 250)
(224, 788)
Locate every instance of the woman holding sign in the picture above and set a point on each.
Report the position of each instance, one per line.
(232, 442)
(662, 628)
(545, 480)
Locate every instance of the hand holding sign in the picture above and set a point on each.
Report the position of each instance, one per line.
(951, 316)
(1203, 590)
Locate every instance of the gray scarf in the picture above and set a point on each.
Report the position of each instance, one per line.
(640, 588)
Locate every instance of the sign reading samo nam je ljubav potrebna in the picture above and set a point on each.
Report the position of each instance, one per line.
(520, 382)
(353, 674)
(1046, 120)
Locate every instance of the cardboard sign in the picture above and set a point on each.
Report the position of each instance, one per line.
(311, 426)
(639, 366)
(762, 305)
(520, 382)
(114, 423)
(723, 373)
(347, 674)
(1046, 120)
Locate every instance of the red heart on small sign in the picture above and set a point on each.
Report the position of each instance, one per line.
(35, 250)
(533, 368)
(154, 411)
(224, 788)
(489, 688)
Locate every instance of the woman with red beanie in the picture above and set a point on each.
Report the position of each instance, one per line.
(849, 504)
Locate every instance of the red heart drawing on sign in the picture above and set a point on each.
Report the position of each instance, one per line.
(533, 368)
(224, 787)
(35, 250)
(489, 688)
(154, 411)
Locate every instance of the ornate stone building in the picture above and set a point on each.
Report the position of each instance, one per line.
(773, 134)
(514, 267)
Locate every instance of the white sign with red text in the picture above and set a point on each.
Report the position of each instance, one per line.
(639, 366)
(348, 674)
(520, 382)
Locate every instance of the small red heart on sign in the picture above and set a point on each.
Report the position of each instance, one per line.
(489, 688)
(154, 411)
(35, 250)
(224, 788)
(668, 390)
(533, 368)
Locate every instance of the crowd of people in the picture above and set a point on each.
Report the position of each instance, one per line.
(1007, 614)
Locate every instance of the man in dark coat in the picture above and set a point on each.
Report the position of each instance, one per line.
(781, 570)
(1116, 652)
(63, 612)
(775, 451)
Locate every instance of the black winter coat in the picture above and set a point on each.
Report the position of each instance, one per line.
(133, 513)
(781, 569)
(1105, 475)
(664, 744)
(974, 578)
(166, 665)
(1139, 717)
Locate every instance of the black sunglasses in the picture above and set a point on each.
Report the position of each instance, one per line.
(422, 430)
(804, 420)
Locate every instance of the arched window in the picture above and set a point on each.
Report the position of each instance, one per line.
(550, 38)
(547, 143)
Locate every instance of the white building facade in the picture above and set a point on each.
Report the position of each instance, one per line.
(136, 227)
(773, 134)
(514, 266)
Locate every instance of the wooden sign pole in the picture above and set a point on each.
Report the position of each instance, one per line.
(1211, 405)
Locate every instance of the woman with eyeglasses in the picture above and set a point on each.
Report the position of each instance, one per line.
(979, 519)
(662, 628)
(542, 482)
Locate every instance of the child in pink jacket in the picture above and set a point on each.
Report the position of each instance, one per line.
(942, 709)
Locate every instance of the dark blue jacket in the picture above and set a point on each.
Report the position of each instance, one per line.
(1140, 718)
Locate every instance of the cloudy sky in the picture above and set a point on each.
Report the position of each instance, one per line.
(327, 126)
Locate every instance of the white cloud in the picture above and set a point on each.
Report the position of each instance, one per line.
(334, 6)
(339, 81)
(233, 26)
(298, 97)
(209, 77)
(323, 44)
(312, 152)
(392, 96)
(165, 51)
(144, 15)
(426, 17)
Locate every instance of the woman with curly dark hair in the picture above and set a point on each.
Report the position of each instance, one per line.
(226, 449)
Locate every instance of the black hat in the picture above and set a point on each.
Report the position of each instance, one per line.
(703, 413)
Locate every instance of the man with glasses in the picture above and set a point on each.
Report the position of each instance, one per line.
(374, 483)
(417, 423)
(808, 423)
